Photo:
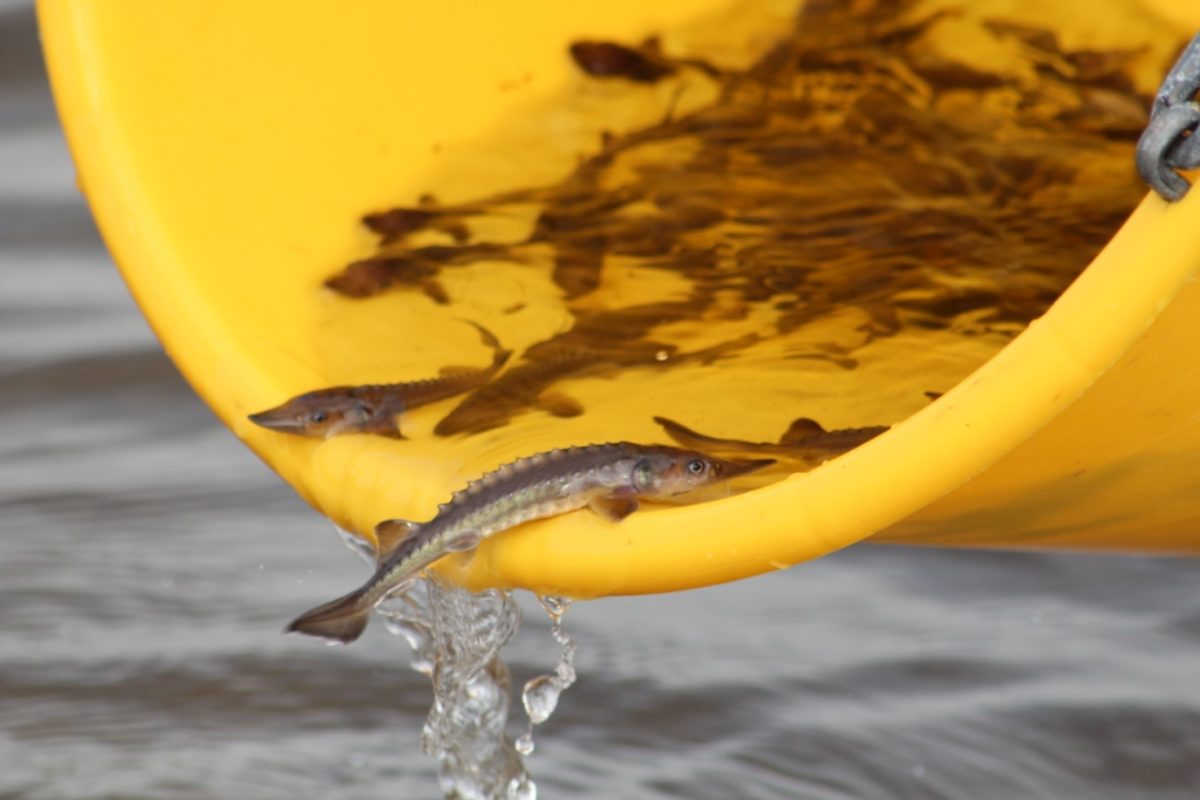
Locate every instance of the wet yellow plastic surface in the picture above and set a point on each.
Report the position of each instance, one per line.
(228, 148)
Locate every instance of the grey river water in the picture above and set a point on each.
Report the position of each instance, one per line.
(148, 562)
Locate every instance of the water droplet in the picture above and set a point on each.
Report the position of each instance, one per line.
(554, 605)
(541, 697)
(521, 788)
(525, 745)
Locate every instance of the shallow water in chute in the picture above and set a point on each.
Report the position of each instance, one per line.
(850, 223)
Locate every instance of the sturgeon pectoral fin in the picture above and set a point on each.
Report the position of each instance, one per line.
(615, 506)
(468, 540)
(385, 425)
(390, 533)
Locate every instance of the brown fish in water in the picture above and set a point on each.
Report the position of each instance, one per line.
(373, 408)
(413, 267)
(781, 198)
(611, 60)
(611, 479)
(804, 440)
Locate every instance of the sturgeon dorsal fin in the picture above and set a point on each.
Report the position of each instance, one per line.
(390, 533)
(801, 429)
(616, 505)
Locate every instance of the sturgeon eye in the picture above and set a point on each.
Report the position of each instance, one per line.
(697, 466)
(317, 417)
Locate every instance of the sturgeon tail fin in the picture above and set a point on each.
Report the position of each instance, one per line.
(340, 621)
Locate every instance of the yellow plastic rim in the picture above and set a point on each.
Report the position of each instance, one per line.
(226, 149)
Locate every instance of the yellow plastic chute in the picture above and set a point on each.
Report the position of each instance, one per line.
(227, 149)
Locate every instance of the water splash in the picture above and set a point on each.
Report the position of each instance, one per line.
(456, 638)
(357, 544)
(541, 694)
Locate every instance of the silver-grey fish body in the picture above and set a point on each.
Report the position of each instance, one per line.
(611, 478)
(539, 486)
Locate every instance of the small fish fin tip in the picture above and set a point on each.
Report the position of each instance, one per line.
(684, 435)
(501, 358)
(671, 426)
(487, 336)
(388, 430)
(616, 506)
(390, 533)
(340, 621)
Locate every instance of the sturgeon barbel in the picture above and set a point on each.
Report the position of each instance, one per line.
(611, 479)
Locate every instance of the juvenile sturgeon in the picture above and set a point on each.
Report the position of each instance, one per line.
(374, 408)
(804, 440)
(608, 478)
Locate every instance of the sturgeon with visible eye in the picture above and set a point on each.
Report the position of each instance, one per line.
(611, 479)
(373, 408)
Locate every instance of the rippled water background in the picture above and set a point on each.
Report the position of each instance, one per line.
(148, 563)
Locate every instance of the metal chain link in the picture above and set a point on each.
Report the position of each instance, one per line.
(1171, 140)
